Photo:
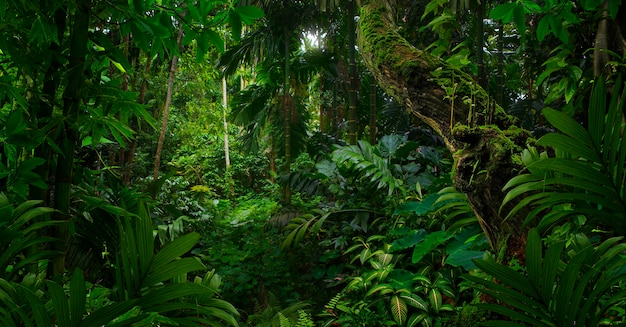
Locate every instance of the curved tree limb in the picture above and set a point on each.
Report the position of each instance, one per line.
(483, 139)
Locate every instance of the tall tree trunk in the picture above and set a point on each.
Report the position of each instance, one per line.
(133, 146)
(373, 111)
(500, 91)
(286, 108)
(45, 107)
(483, 154)
(231, 187)
(601, 43)
(69, 136)
(166, 108)
(352, 112)
(480, 40)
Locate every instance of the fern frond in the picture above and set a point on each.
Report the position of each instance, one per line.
(284, 322)
(304, 319)
(332, 304)
(366, 160)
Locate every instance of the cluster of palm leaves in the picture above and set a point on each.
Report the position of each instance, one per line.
(586, 175)
(150, 286)
(579, 182)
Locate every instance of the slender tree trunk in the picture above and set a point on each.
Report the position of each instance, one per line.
(352, 112)
(373, 111)
(287, 107)
(601, 43)
(69, 136)
(484, 155)
(166, 108)
(231, 187)
(225, 123)
(133, 146)
(500, 91)
(480, 40)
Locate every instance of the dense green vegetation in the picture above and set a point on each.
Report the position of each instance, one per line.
(312, 163)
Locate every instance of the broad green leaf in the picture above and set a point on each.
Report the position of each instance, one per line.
(567, 125)
(464, 258)
(235, 25)
(170, 270)
(569, 145)
(216, 40)
(59, 303)
(108, 313)
(503, 12)
(415, 301)
(249, 14)
(430, 243)
(420, 208)
(202, 42)
(398, 309)
(40, 314)
(77, 300)
(508, 276)
(175, 249)
(408, 241)
(435, 299)
(549, 270)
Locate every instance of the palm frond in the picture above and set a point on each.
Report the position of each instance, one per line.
(21, 230)
(587, 174)
(585, 279)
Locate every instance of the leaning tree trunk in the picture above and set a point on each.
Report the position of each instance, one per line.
(483, 151)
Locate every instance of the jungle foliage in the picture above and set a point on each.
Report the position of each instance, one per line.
(312, 163)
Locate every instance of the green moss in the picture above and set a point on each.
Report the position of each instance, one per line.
(387, 46)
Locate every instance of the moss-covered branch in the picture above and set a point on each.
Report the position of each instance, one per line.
(435, 92)
(483, 139)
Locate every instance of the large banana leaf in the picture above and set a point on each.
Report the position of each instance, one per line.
(586, 176)
(577, 291)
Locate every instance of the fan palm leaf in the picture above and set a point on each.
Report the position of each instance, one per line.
(586, 174)
(578, 290)
(151, 278)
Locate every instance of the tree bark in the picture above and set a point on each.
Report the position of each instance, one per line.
(445, 98)
(480, 40)
(69, 136)
(166, 109)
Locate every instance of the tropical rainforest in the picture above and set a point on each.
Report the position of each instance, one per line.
(301, 163)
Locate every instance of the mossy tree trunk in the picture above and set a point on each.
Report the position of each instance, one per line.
(482, 138)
